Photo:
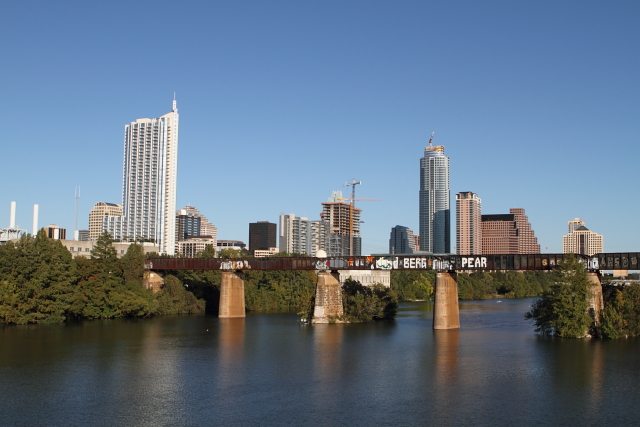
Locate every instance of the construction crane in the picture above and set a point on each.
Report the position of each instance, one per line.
(352, 184)
(352, 206)
(342, 199)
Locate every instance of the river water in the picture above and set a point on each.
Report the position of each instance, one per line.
(267, 369)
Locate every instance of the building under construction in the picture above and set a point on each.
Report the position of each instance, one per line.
(344, 222)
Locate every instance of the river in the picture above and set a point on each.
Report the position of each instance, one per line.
(267, 369)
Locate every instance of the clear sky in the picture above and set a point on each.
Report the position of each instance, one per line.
(536, 102)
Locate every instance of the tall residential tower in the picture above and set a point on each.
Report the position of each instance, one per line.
(149, 182)
(435, 221)
(468, 223)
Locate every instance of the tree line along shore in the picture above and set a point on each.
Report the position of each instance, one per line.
(40, 282)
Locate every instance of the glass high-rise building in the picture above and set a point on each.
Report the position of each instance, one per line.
(262, 236)
(435, 218)
(401, 240)
(149, 182)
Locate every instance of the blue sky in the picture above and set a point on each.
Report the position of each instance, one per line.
(281, 102)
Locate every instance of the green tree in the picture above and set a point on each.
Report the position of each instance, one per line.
(174, 299)
(99, 281)
(367, 303)
(621, 314)
(132, 264)
(563, 308)
(412, 285)
(279, 290)
(37, 283)
(102, 292)
(105, 257)
(231, 253)
(478, 285)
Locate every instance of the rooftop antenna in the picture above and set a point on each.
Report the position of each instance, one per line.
(174, 102)
(76, 234)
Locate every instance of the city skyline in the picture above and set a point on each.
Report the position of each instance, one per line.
(524, 97)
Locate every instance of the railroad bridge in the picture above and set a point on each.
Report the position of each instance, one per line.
(328, 303)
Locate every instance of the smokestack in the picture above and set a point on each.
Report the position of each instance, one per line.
(12, 217)
(35, 220)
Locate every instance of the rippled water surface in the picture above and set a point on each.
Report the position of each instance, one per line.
(269, 370)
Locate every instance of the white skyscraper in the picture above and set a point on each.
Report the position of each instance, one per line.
(435, 226)
(149, 182)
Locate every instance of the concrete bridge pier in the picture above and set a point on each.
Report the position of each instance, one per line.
(596, 302)
(446, 314)
(328, 304)
(232, 295)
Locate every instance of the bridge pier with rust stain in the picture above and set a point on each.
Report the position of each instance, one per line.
(446, 314)
(328, 304)
(596, 302)
(232, 295)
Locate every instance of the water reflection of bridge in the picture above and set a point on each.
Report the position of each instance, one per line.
(328, 303)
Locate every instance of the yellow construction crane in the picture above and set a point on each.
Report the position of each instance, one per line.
(352, 206)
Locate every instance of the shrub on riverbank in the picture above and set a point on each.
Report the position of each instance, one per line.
(368, 303)
(279, 290)
(419, 285)
(411, 285)
(174, 299)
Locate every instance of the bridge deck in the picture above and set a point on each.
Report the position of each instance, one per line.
(606, 261)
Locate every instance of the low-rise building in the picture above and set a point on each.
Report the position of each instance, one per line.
(367, 277)
(83, 248)
(55, 232)
(194, 244)
(231, 244)
(264, 253)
